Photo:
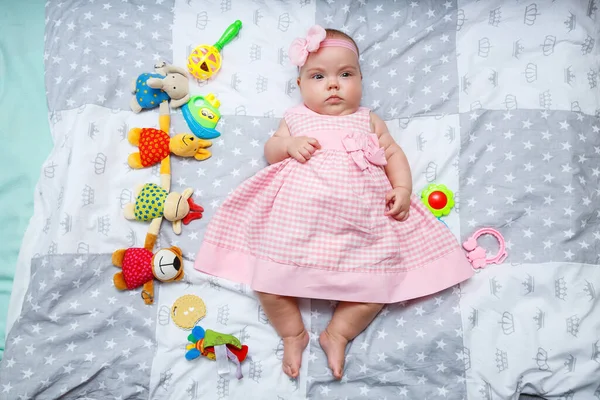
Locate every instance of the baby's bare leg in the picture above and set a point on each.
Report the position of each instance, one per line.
(284, 315)
(348, 321)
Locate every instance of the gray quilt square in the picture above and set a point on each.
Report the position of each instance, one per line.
(98, 48)
(236, 156)
(77, 336)
(412, 350)
(533, 175)
(408, 52)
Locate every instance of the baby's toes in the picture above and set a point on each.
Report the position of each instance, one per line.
(291, 370)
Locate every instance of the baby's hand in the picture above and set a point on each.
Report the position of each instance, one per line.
(301, 148)
(398, 201)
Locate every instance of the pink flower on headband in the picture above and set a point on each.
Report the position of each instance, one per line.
(300, 47)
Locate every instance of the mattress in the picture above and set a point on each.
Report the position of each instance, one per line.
(496, 100)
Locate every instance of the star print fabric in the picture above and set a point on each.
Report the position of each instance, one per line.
(406, 53)
(412, 350)
(77, 337)
(95, 50)
(538, 180)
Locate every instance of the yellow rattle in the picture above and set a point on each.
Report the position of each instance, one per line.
(205, 60)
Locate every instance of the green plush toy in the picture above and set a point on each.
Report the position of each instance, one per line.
(152, 201)
(216, 346)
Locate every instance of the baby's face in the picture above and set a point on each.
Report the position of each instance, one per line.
(330, 82)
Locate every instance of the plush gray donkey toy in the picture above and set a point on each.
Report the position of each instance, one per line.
(169, 83)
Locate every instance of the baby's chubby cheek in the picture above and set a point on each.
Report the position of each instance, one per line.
(353, 97)
(313, 97)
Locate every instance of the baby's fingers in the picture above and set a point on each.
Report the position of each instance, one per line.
(309, 147)
(395, 209)
(405, 206)
(305, 153)
(389, 196)
(298, 156)
(314, 142)
(402, 216)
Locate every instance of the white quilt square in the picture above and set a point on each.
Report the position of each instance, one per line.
(536, 55)
(232, 309)
(256, 77)
(432, 146)
(531, 328)
(83, 205)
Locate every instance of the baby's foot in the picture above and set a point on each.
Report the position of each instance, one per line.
(334, 346)
(293, 346)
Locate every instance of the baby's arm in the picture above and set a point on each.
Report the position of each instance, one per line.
(397, 168)
(282, 145)
(276, 146)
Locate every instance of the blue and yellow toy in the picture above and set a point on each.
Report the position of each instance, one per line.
(202, 115)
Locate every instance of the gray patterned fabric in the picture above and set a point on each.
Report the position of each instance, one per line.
(411, 350)
(536, 320)
(77, 337)
(94, 50)
(534, 175)
(529, 55)
(498, 100)
(406, 53)
(238, 154)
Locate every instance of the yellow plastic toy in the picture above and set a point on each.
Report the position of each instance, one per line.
(205, 60)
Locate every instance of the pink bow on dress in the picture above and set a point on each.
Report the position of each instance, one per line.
(364, 149)
(300, 48)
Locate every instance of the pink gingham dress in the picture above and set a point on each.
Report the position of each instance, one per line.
(318, 229)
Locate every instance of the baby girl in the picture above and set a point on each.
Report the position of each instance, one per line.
(333, 216)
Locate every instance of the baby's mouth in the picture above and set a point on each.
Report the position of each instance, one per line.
(335, 98)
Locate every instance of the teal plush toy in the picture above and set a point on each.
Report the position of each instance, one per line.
(202, 115)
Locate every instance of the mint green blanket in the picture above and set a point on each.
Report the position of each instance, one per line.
(25, 133)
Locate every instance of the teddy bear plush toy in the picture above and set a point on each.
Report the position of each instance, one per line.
(169, 83)
(140, 266)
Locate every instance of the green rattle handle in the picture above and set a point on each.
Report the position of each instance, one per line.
(229, 34)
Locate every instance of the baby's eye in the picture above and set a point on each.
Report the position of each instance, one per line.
(317, 76)
(346, 74)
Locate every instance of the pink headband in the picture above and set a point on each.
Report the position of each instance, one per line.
(315, 39)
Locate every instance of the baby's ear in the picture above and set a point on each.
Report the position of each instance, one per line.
(298, 81)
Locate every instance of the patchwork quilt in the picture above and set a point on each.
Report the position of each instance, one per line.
(497, 100)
